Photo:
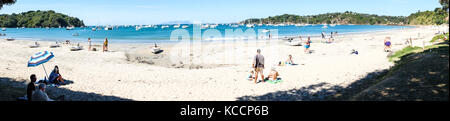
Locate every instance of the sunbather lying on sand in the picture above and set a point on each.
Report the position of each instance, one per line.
(273, 75)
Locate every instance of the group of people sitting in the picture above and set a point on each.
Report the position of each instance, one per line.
(38, 94)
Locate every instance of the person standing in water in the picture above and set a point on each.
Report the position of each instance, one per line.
(105, 45)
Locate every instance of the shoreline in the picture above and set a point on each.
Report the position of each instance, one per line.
(124, 41)
(110, 73)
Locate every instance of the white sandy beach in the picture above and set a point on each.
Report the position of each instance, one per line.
(155, 78)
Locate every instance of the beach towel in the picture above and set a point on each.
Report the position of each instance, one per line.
(274, 81)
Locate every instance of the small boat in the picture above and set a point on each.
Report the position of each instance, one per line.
(138, 28)
(176, 26)
(108, 28)
(205, 26)
(75, 34)
(234, 25)
(294, 43)
(184, 26)
(70, 28)
(213, 26)
(155, 49)
(250, 25)
(165, 26)
(35, 45)
(10, 39)
(94, 29)
(265, 31)
(325, 27)
(76, 48)
(47, 28)
(3, 29)
(55, 45)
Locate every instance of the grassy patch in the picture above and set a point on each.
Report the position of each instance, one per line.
(411, 50)
(405, 51)
(437, 37)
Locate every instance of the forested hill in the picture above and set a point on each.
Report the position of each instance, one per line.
(419, 18)
(35, 19)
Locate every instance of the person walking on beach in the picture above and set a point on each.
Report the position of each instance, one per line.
(258, 64)
(387, 44)
(307, 45)
(105, 45)
(31, 87)
(89, 42)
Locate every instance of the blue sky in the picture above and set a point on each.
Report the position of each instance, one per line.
(123, 12)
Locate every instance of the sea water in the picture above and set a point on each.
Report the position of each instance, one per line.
(129, 34)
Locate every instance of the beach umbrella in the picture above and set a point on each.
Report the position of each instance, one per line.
(40, 58)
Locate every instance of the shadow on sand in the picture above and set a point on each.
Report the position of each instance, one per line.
(416, 77)
(12, 89)
(318, 92)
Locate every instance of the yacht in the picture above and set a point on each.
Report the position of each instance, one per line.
(176, 26)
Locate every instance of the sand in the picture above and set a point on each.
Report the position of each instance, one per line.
(130, 71)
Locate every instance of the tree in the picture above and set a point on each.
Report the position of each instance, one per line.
(6, 2)
(444, 4)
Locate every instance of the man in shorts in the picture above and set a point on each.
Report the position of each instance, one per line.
(258, 64)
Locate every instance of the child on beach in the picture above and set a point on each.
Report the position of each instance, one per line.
(251, 76)
(307, 45)
(289, 60)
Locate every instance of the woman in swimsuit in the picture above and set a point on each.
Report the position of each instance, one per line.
(307, 45)
(105, 45)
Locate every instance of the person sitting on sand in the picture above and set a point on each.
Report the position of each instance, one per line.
(354, 52)
(251, 76)
(55, 77)
(258, 65)
(387, 44)
(273, 75)
(105, 45)
(40, 95)
(31, 87)
(289, 60)
(307, 45)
